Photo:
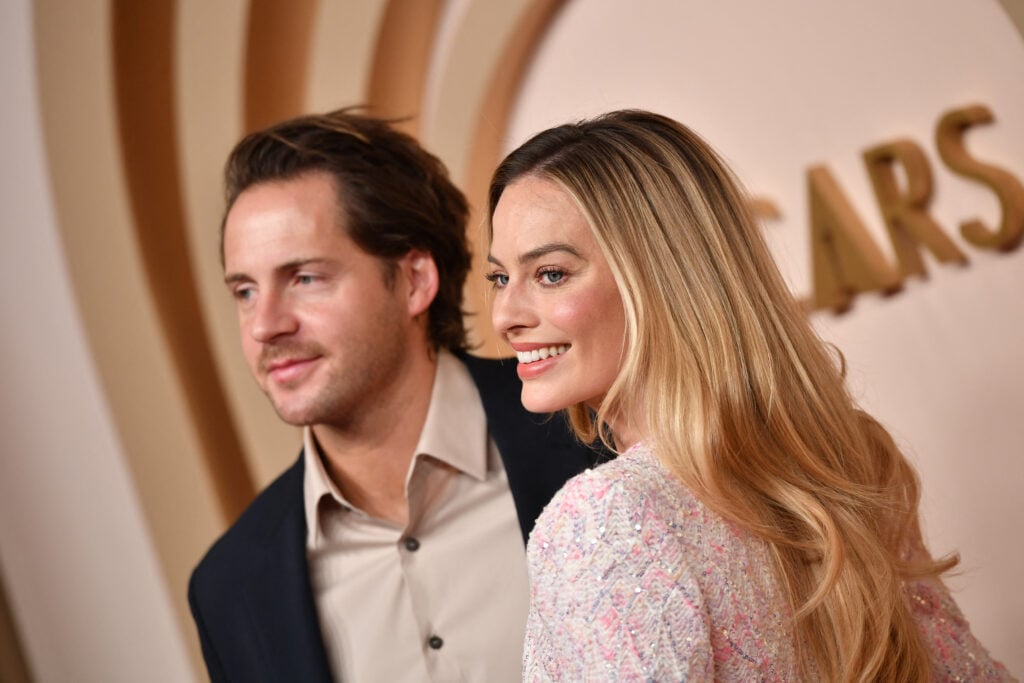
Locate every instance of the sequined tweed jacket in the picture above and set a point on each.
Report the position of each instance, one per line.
(633, 579)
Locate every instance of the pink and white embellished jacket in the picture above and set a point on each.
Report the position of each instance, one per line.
(633, 579)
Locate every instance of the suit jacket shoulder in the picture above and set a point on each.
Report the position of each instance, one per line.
(250, 594)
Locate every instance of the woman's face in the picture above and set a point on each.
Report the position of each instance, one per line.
(555, 300)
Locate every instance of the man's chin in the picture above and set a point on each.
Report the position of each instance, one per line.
(289, 407)
(296, 416)
(296, 421)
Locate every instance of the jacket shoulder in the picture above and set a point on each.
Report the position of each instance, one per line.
(254, 528)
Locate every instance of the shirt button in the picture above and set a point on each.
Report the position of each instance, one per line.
(412, 545)
(435, 642)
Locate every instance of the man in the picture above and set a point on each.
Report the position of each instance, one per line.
(393, 548)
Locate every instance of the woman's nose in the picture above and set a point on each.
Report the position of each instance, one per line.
(511, 310)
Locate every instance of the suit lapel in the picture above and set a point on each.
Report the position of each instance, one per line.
(280, 599)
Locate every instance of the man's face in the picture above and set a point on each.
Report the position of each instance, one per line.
(322, 331)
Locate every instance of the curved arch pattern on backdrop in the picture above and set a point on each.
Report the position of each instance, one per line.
(155, 261)
(141, 103)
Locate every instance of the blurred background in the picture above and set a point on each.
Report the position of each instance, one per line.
(131, 434)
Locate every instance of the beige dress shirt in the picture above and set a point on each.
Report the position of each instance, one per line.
(445, 598)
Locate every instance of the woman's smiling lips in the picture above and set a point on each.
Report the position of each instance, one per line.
(535, 359)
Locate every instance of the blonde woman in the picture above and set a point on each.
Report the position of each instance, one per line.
(757, 525)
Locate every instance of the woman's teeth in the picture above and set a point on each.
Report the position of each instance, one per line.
(541, 354)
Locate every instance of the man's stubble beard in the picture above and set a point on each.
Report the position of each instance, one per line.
(350, 390)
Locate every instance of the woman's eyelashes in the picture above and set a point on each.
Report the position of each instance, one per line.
(547, 276)
(551, 276)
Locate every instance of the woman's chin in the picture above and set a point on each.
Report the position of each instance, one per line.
(542, 404)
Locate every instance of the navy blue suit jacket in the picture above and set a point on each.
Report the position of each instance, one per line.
(250, 595)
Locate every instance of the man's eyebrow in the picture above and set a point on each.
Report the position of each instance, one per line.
(538, 252)
(287, 266)
(235, 278)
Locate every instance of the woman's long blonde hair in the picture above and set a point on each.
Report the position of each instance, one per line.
(740, 399)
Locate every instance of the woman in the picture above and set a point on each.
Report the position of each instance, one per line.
(758, 525)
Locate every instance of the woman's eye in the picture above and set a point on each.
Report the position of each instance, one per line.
(552, 277)
(499, 280)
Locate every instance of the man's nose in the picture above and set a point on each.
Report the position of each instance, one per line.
(272, 318)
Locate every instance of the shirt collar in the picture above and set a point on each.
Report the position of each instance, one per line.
(454, 432)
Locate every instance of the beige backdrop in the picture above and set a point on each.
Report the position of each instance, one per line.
(131, 432)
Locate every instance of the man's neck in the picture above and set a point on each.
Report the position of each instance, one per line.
(369, 461)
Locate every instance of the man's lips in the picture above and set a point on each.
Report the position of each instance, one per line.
(286, 370)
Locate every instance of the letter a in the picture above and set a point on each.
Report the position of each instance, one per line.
(844, 258)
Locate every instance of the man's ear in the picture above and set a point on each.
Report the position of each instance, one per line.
(420, 273)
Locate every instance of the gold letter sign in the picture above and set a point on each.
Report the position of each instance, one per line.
(905, 213)
(845, 260)
(949, 139)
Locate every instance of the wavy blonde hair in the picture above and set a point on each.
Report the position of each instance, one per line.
(740, 399)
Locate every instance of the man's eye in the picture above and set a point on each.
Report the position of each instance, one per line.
(305, 279)
(242, 294)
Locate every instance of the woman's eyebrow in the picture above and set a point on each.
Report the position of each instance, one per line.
(538, 252)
